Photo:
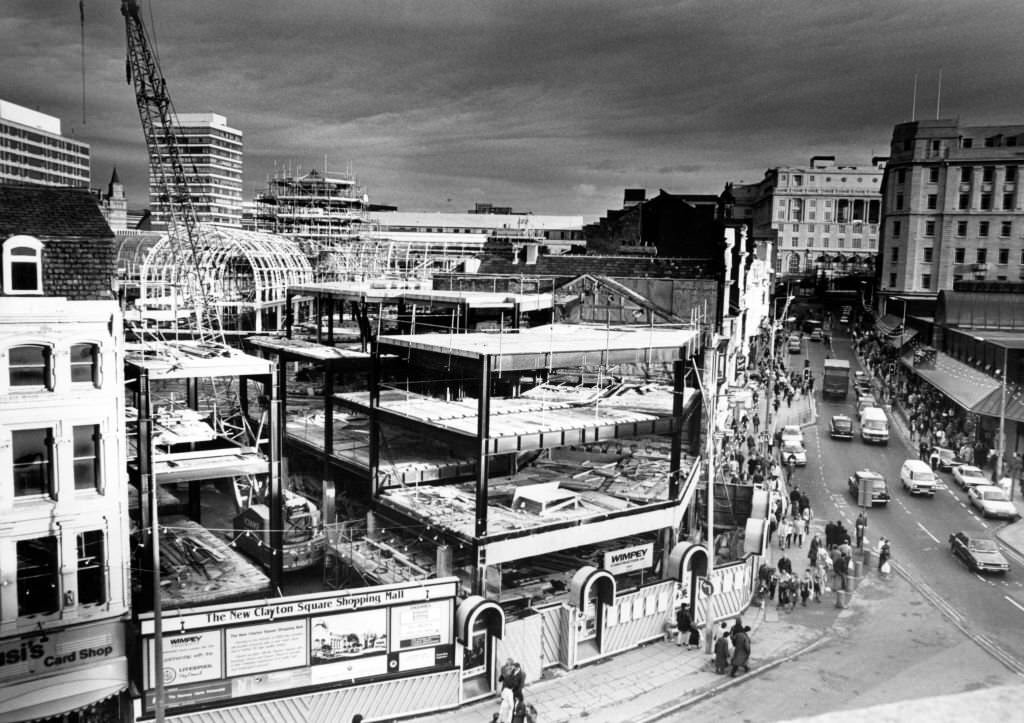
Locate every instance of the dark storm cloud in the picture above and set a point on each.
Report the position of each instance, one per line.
(550, 106)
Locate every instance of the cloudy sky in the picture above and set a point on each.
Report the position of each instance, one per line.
(549, 106)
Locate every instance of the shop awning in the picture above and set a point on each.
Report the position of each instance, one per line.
(991, 405)
(475, 608)
(962, 383)
(889, 324)
(45, 696)
(897, 341)
(589, 576)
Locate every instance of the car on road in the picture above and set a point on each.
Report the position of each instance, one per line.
(945, 459)
(991, 501)
(816, 335)
(917, 478)
(876, 482)
(980, 553)
(967, 475)
(844, 319)
(791, 432)
(864, 401)
(794, 344)
(796, 450)
(840, 427)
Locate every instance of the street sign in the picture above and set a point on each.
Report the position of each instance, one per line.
(707, 587)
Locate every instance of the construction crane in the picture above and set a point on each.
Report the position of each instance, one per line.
(163, 134)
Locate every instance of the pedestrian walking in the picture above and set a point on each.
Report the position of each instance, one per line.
(722, 651)
(818, 583)
(862, 526)
(685, 627)
(798, 534)
(740, 650)
(756, 420)
(806, 584)
(790, 466)
(884, 553)
(785, 533)
(805, 513)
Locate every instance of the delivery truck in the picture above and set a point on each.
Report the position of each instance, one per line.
(836, 381)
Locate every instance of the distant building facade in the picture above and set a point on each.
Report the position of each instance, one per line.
(212, 155)
(668, 224)
(65, 596)
(471, 231)
(822, 219)
(32, 150)
(114, 204)
(952, 207)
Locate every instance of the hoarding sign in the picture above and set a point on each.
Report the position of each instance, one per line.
(231, 653)
(629, 559)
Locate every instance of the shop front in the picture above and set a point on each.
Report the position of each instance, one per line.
(74, 675)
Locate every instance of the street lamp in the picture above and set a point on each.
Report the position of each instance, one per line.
(771, 371)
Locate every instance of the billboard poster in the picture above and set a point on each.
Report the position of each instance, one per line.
(190, 658)
(348, 635)
(234, 652)
(416, 626)
(262, 648)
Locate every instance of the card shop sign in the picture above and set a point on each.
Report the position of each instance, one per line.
(629, 559)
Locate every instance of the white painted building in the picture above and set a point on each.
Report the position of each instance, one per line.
(64, 592)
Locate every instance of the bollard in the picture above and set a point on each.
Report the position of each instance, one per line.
(841, 599)
(858, 568)
(852, 581)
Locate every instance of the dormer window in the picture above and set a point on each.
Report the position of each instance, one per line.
(23, 265)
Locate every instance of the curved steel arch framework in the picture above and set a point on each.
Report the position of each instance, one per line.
(246, 273)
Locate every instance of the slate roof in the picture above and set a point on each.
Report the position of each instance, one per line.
(50, 212)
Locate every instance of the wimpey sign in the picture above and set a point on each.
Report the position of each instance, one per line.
(629, 559)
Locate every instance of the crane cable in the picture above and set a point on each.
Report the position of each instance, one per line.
(81, 19)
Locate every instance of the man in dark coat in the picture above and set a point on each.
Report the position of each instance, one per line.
(722, 652)
(685, 627)
(740, 650)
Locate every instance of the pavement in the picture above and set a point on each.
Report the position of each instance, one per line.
(659, 679)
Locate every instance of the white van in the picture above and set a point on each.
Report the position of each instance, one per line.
(874, 426)
(917, 478)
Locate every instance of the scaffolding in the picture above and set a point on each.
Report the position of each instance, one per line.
(320, 209)
(246, 273)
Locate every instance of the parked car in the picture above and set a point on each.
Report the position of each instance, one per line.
(816, 335)
(796, 449)
(844, 319)
(917, 478)
(794, 344)
(791, 432)
(879, 488)
(967, 475)
(841, 427)
(864, 401)
(943, 459)
(991, 501)
(980, 553)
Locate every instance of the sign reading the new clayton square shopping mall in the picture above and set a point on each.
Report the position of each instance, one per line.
(629, 559)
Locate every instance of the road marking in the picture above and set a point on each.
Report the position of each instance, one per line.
(1014, 603)
(928, 533)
